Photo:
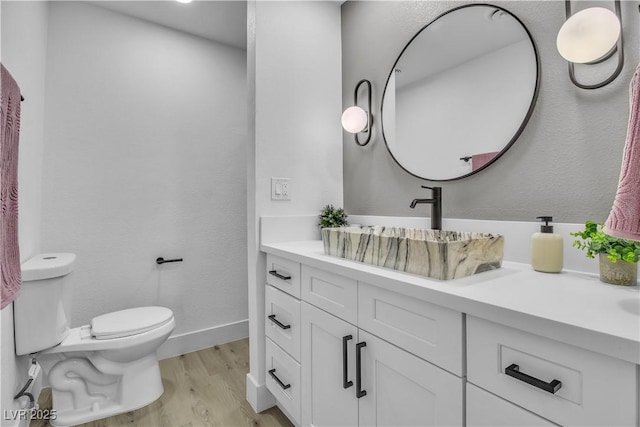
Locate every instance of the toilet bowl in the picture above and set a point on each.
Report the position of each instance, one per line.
(97, 370)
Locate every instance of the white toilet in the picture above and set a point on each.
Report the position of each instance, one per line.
(105, 368)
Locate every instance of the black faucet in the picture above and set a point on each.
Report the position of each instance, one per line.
(436, 206)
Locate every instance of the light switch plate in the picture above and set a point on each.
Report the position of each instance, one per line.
(280, 188)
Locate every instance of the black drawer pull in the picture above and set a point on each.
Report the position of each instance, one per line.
(345, 374)
(278, 275)
(277, 322)
(280, 383)
(514, 371)
(359, 391)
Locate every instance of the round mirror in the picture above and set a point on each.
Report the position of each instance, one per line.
(460, 93)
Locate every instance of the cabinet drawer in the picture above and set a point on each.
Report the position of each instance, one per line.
(594, 390)
(335, 294)
(429, 331)
(283, 379)
(486, 409)
(283, 320)
(284, 274)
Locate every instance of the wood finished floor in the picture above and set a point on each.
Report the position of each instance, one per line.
(204, 388)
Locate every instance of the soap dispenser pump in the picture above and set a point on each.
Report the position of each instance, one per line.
(546, 248)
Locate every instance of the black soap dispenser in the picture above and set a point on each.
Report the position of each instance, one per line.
(546, 248)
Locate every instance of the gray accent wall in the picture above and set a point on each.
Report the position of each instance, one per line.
(567, 161)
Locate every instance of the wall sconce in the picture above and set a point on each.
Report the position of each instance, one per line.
(355, 119)
(591, 36)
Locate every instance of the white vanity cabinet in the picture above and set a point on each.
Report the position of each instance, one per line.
(366, 356)
(362, 346)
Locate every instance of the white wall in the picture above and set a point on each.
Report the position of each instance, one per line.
(294, 72)
(145, 156)
(24, 37)
(24, 28)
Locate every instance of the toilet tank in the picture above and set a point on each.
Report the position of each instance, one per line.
(41, 311)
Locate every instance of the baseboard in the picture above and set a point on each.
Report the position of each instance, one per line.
(204, 338)
(258, 396)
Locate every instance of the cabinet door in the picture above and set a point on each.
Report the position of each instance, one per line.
(325, 401)
(404, 390)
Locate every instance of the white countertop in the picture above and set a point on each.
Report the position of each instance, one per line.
(571, 307)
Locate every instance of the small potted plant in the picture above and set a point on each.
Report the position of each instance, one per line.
(618, 257)
(332, 217)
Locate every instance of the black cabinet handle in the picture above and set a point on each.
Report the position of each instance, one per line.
(277, 322)
(359, 391)
(284, 386)
(345, 374)
(513, 370)
(278, 275)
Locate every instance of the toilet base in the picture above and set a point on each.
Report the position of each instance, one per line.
(86, 387)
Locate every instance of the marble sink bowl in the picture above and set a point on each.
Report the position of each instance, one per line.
(438, 254)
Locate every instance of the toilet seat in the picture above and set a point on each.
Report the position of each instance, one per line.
(82, 339)
(129, 322)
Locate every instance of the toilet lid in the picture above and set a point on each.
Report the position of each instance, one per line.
(128, 322)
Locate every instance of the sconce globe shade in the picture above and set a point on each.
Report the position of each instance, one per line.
(588, 35)
(184, 1)
(354, 119)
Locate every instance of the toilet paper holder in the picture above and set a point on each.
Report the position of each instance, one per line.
(161, 260)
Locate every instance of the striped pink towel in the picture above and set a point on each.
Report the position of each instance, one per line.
(9, 135)
(624, 219)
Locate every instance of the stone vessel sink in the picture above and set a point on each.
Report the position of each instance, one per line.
(438, 254)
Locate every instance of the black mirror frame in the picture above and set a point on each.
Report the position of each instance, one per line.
(525, 120)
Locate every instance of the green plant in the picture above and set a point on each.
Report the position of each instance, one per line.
(332, 217)
(595, 241)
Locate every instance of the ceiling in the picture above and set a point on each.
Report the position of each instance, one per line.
(220, 21)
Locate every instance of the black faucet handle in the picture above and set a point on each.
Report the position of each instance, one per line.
(431, 188)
